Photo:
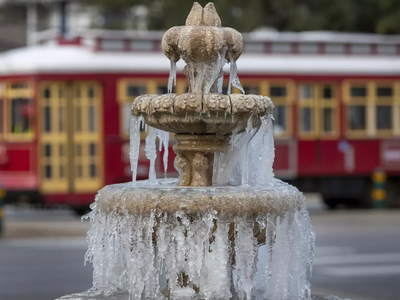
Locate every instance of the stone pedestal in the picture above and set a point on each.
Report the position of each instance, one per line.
(195, 157)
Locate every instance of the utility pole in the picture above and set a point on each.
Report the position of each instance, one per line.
(63, 19)
(31, 23)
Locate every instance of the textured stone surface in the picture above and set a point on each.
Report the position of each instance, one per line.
(277, 199)
(199, 114)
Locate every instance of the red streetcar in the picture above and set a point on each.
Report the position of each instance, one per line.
(65, 110)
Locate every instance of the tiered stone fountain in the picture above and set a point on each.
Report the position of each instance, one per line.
(199, 237)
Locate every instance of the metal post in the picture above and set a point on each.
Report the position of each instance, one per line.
(379, 191)
(63, 19)
(2, 195)
(31, 21)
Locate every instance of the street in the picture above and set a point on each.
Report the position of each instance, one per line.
(357, 254)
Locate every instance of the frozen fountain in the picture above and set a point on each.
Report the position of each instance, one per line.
(226, 229)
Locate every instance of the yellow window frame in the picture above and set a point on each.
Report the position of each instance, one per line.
(286, 102)
(9, 93)
(317, 103)
(371, 102)
(85, 137)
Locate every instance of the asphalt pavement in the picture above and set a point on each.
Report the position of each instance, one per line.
(357, 254)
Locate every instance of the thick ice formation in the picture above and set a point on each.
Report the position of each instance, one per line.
(199, 256)
(205, 255)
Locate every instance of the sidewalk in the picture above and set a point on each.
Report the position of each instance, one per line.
(14, 229)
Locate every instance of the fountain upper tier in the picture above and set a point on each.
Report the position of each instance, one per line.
(202, 114)
(203, 119)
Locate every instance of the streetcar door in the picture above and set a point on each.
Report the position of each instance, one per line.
(86, 137)
(70, 137)
(53, 137)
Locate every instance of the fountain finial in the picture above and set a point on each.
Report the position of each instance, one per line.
(206, 16)
(204, 45)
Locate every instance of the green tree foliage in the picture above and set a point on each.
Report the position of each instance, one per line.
(373, 16)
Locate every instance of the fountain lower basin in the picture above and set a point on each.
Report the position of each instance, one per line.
(171, 242)
(166, 197)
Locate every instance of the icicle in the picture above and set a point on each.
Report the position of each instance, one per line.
(268, 153)
(151, 153)
(134, 145)
(200, 74)
(245, 165)
(233, 77)
(245, 254)
(220, 84)
(214, 70)
(163, 137)
(216, 270)
(172, 77)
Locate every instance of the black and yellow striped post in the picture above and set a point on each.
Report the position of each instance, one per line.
(2, 195)
(379, 191)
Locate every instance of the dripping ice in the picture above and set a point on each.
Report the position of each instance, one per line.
(182, 246)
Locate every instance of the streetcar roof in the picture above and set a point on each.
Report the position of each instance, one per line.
(54, 59)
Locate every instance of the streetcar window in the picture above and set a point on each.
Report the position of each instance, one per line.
(135, 90)
(92, 149)
(47, 153)
(278, 91)
(20, 115)
(92, 118)
(78, 118)
(47, 119)
(92, 170)
(306, 91)
(280, 119)
(384, 92)
(47, 150)
(327, 92)
(91, 92)
(327, 119)
(357, 117)
(48, 171)
(61, 119)
(19, 85)
(164, 89)
(306, 119)
(47, 93)
(252, 90)
(358, 91)
(383, 117)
